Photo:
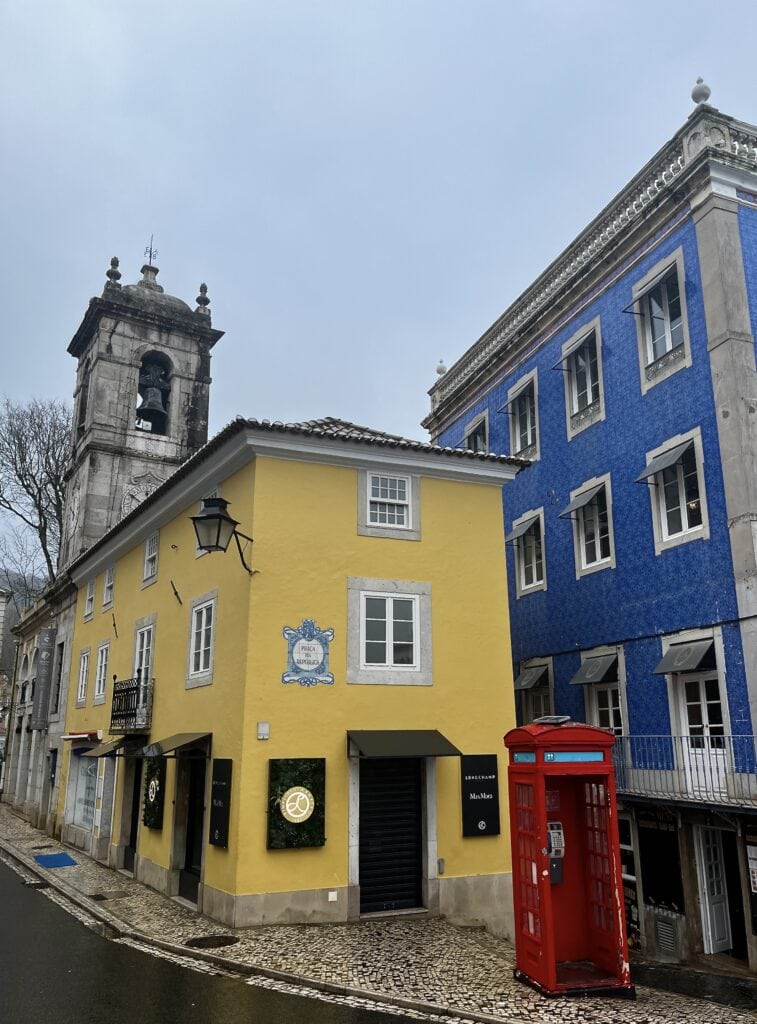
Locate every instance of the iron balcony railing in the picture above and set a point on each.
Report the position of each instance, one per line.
(132, 705)
(718, 770)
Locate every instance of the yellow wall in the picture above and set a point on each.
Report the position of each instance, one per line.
(303, 517)
(306, 545)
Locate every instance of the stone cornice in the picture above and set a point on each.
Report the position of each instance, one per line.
(707, 135)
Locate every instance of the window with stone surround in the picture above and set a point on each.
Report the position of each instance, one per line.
(527, 536)
(523, 413)
(675, 476)
(581, 364)
(662, 332)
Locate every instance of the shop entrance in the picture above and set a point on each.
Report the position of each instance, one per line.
(134, 803)
(723, 924)
(391, 834)
(193, 770)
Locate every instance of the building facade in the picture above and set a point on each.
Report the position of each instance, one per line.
(626, 373)
(140, 410)
(317, 738)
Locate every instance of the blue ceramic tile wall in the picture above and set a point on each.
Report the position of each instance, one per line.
(646, 595)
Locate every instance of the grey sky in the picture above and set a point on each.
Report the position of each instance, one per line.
(364, 185)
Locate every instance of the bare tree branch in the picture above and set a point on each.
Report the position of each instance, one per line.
(34, 450)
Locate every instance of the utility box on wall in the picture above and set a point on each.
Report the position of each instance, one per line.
(569, 913)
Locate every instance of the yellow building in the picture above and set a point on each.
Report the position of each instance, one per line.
(319, 738)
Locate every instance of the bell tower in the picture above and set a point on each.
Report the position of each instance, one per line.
(140, 402)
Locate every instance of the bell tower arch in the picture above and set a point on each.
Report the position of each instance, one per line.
(140, 402)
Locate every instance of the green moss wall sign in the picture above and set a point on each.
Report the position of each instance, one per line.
(296, 802)
(154, 792)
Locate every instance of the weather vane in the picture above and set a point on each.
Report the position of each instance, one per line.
(150, 253)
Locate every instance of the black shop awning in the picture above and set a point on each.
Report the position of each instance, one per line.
(694, 657)
(104, 749)
(531, 677)
(400, 743)
(598, 670)
(124, 746)
(168, 746)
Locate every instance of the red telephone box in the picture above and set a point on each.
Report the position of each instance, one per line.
(569, 917)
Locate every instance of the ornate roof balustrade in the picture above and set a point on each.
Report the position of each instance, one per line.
(707, 130)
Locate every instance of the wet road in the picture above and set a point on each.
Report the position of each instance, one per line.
(54, 969)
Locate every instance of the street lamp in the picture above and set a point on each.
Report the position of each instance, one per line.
(214, 528)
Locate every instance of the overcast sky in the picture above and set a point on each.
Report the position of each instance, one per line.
(364, 185)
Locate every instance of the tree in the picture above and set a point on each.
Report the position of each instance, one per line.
(35, 440)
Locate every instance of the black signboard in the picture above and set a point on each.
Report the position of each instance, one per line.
(44, 675)
(296, 802)
(220, 802)
(155, 784)
(480, 794)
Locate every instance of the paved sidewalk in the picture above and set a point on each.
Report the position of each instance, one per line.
(425, 965)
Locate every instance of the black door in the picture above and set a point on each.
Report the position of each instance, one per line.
(136, 808)
(189, 877)
(391, 853)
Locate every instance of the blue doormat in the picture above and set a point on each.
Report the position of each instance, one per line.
(54, 860)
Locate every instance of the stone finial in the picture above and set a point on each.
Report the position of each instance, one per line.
(113, 274)
(203, 301)
(701, 92)
(441, 369)
(149, 273)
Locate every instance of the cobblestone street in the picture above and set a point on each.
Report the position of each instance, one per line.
(427, 967)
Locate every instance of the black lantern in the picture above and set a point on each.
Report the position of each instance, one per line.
(214, 528)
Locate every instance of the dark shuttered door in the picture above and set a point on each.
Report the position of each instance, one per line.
(390, 834)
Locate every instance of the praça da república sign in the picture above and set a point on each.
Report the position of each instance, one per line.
(480, 794)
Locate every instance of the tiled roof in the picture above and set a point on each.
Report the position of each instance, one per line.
(343, 430)
(328, 427)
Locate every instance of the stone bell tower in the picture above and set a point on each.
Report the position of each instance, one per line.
(140, 402)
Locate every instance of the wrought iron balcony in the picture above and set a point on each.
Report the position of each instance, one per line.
(720, 770)
(132, 705)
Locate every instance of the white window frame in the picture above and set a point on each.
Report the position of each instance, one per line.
(358, 671)
(584, 568)
(590, 689)
(673, 679)
(101, 672)
(109, 584)
(530, 381)
(521, 588)
(89, 600)
(148, 629)
(652, 371)
(204, 675)
(481, 419)
(412, 529)
(81, 690)
(578, 420)
(662, 540)
(150, 566)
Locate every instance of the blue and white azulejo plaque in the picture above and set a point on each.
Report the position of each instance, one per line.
(308, 654)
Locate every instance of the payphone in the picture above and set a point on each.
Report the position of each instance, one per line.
(555, 850)
(567, 886)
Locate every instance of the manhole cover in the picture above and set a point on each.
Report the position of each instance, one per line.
(211, 941)
(115, 894)
(37, 885)
(99, 896)
(46, 846)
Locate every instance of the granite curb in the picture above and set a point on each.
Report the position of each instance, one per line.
(114, 928)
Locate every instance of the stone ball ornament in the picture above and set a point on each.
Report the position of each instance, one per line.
(701, 91)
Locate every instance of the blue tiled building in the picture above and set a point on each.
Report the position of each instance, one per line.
(626, 374)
